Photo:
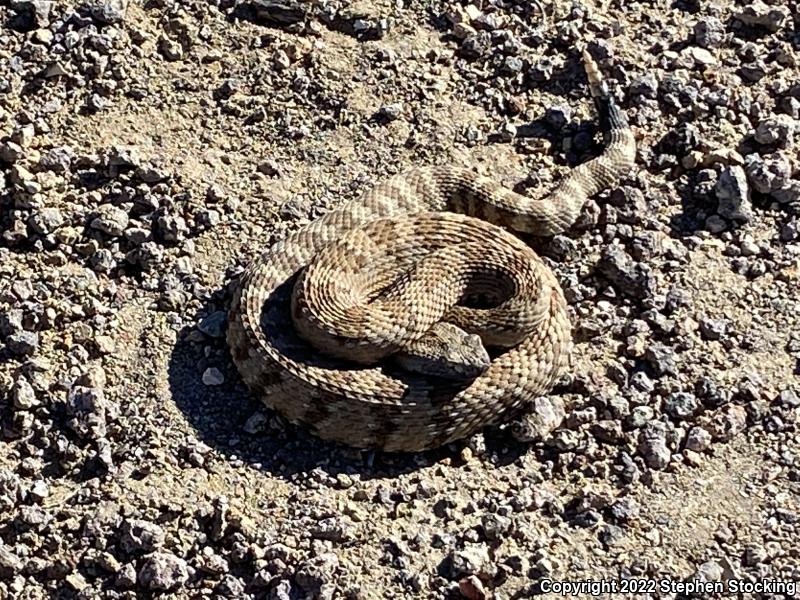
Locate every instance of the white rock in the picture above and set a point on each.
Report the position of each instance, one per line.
(213, 376)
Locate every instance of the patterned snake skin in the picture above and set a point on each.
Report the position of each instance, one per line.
(383, 406)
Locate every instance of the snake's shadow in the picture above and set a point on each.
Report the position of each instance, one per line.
(235, 424)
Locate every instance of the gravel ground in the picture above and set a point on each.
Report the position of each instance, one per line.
(148, 150)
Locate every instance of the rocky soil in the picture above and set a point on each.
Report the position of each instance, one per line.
(148, 150)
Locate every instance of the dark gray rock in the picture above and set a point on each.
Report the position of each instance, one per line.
(126, 577)
(472, 560)
(645, 87)
(625, 510)
(163, 571)
(754, 555)
(698, 439)
(496, 527)
(10, 321)
(610, 535)
(789, 195)
(10, 563)
(662, 359)
(776, 130)
(763, 15)
(147, 256)
(36, 13)
(361, 24)
(86, 408)
(111, 220)
(58, 159)
(110, 11)
(391, 112)
(214, 324)
(279, 13)
(789, 398)
(23, 394)
(608, 431)
(767, 173)
(681, 405)
(713, 329)
(733, 195)
(655, 452)
(46, 220)
(709, 32)
(639, 417)
(558, 116)
(138, 535)
(171, 228)
(11, 152)
(790, 232)
(632, 278)
(544, 416)
(23, 343)
(790, 106)
(475, 46)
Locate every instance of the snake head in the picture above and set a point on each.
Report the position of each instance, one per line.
(445, 351)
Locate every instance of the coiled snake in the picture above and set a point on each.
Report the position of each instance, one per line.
(422, 262)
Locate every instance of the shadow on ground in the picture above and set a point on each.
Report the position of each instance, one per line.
(223, 414)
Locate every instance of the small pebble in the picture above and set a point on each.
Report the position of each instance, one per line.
(213, 377)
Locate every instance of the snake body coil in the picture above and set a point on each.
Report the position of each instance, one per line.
(415, 213)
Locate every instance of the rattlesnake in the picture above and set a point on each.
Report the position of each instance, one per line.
(385, 406)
